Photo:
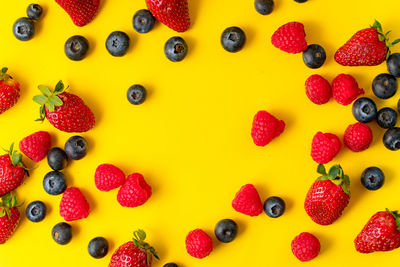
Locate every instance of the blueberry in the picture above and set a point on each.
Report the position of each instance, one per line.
(175, 49)
(314, 56)
(233, 39)
(372, 178)
(171, 264)
(54, 183)
(136, 94)
(24, 29)
(274, 207)
(143, 21)
(57, 158)
(386, 118)
(117, 43)
(62, 233)
(391, 138)
(76, 47)
(34, 11)
(226, 230)
(393, 64)
(98, 247)
(364, 110)
(36, 211)
(264, 7)
(76, 147)
(384, 85)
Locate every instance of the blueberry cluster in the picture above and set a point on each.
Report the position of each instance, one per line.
(24, 28)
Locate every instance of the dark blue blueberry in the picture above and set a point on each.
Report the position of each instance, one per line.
(136, 94)
(364, 110)
(62, 233)
(143, 21)
(76, 47)
(54, 183)
(24, 29)
(57, 159)
(36, 211)
(393, 64)
(384, 86)
(386, 118)
(117, 43)
(98, 247)
(372, 178)
(76, 147)
(233, 39)
(264, 7)
(274, 207)
(391, 138)
(171, 264)
(226, 230)
(34, 11)
(314, 56)
(175, 49)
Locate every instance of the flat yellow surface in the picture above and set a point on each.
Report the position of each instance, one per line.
(191, 138)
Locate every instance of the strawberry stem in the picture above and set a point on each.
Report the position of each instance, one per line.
(384, 37)
(49, 99)
(396, 216)
(138, 240)
(336, 176)
(8, 202)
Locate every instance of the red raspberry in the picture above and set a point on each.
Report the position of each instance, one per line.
(108, 177)
(305, 246)
(73, 205)
(247, 201)
(135, 192)
(324, 147)
(290, 38)
(198, 244)
(265, 128)
(345, 89)
(357, 137)
(36, 145)
(318, 89)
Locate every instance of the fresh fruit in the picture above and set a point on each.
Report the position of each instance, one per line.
(12, 171)
(314, 56)
(136, 94)
(9, 91)
(386, 118)
(384, 86)
(134, 192)
(36, 211)
(274, 207)
(248, 201)
(372, 178)
(9, 217)
(36, 145)
(198, 244)
(364, 110)
(34, 11)
(136, 253)
(264, 7)
(117, 43)
(65, 111)
(76, 147)
(233, 39)
(318, 89)
(357, 137)
(324, 147)
(76, 47)
(57, 158)
(345, 89)
(367, 47)
(381, 233)
(108, 177)
(175, 49)
(290, 38)
(171, 264)
(393, 64)
(81, 11)
(24, 29)
(73, 205)
(172, 13)
(54, 183)
(226, 230)
(305, 246)
(328, 196)
(265, 128)
(62, 233)
(98, 247)
(391, 139)
(143, 21)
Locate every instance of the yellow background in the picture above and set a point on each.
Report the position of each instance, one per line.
(191, 138)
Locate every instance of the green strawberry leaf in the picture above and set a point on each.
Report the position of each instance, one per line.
(377, 26)
(323, 178)
(2, 212)
(49, 106)
(40, 99)
(4, 70)
(395, 41)
(16, 159)
(55, 100)
(321, 169)
(45, 90)
(346, 189)
(334, 171)
(59, 87)
(346, 179)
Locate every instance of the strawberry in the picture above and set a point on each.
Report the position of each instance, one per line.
(328, 196)
(368, 47)
(248, 201)
(265, 128)
(73, 205)
(136, 253)
(381, 233)
(290, 38)
(172, 13)
(135, 192)
(318, 89)
(324, 147)
(36, 145)
(108, 177)
(305, 246)
(9, 91)
(12, 171)
(81, 11)
(67, 112)
(9, 217)
(345, 89)
(198, 244)
(357, 137)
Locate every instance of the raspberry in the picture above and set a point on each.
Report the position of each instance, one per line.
(318, 89)
(198, 244)
(73, 205)
(265, 128)
(357, 137)
(247, 201)
(345, 89)
(36, 145)
(108, 177)
(135, 192)
(305, 246)
(324, 147)
(290, 38)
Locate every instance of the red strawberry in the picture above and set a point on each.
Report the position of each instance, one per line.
(247, 201)
(305, 246)
(36, 145)
(108, 177)
(198, 244)
(136, 253)
(318, 89)
(172, 13)
(135, 192)
(290, 38)
(67, 112)
(9, 91)
(345, 89)
(324, 147)
(9, 217)
(12, 171)
(381, 233)
(368, 47)
(81, 11)
(265, 128)
(357, 137)
(328, 196)
(73, 205)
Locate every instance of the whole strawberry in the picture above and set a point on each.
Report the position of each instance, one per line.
(368, 47)
(67, 112)
(265, 128)
(12, 171)
(345, 89)
(81, 11)
(328, 196)
(290, 38)
(357, 137)
(324, 147)
(305, 246)
(198, 244)
(381, 233)
(318, 89)
(248, 201)
(108, 177)
(73, 205)
(136, 253)
(9, 217)
(135, 192)
(36, 145)
(9, 91)
(172, 13)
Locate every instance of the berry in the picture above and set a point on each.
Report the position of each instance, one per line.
(324, 147)
(76, 47)
(171, 264)
(34, 11)
(108, 177)
(274, 207)
(24, 29)
(57, 159)
(135, 192)
(386, 118)
(81, 11)
(264, 7)
(62, 233)
(364, 110)
(384, 86)
(265, 128)
(9, 217)
(345, 89)
(233, 39)
(73, 205)
(54, 183)
(357, 137)
(175, 49)
(318, 90)
(36, 146)
(173, 13)
(36, 211)
(98, 247)
(76, 147)
(393, 64)
(290, 38)
(117, 43)
(136, 94)
(314, 56)
(247, 201)
(143, 21)
(305, 246)
(391, 139)
(9, 91)
(12, 171)
(372, 178)
(226, 230)
(198, 244)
